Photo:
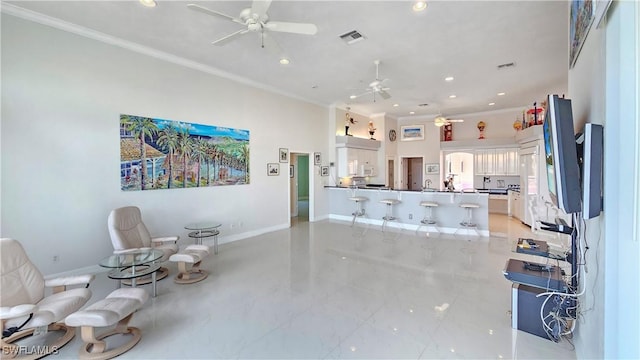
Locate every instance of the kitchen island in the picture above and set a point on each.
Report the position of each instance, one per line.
(448, 214)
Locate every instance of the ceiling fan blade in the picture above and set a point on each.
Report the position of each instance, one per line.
(359, 95)
(290, 27)
(229, 37)
(259, 8)
(204, 10)
(385, 95)
(455, 120)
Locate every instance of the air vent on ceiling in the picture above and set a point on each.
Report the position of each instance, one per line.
(424, 104)
(352, 37)
(506, 65)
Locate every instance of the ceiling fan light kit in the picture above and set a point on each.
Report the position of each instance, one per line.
(376, 86)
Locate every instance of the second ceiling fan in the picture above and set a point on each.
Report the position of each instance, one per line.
(377, 86)
(255, 19)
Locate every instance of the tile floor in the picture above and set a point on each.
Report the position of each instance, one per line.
(327, 291)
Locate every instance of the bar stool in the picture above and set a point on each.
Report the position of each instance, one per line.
(468, 205)
(389, 214)
(428, 220)
(359, 209)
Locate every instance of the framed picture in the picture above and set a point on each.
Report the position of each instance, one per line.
(291, 170)
(324, 171)
(580, 19)
(317, 158)
(273, 169)
(284, 155)
(412, 132)
(432, 168)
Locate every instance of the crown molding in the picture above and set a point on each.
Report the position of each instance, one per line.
(56, 23)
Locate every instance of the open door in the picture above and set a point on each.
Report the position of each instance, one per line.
(299, 187)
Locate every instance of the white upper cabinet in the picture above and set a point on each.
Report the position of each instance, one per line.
(497, 162)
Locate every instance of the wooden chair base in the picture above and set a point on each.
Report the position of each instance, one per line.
(191, 276)
(95, 348)
(11, 351)
(162, 273)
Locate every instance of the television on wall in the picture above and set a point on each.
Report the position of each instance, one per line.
(561, 159)
(590, 152)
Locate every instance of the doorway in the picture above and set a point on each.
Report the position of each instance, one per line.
(412, 172)
(390, 173)
(459, 166)
(299, 187)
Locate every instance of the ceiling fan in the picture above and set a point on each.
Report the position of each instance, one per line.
(376, 86)
(255, 19)
(441, 121)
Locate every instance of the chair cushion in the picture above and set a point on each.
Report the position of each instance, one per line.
(469, 205)
(168, 249)
(358, 198)
(192, 254)
(117, 305)
(428, 203)
(390, 201)
(54, 308)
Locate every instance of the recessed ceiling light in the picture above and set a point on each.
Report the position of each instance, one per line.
(419, 5)
(314, 86)
(148, 3)
(352, 97)
(448, 78)
(284, 61)
(452, 96)
(491, 104)
(411, 112)
(500, 94)
(395, 105)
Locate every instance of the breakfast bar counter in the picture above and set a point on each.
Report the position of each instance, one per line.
(448, 214)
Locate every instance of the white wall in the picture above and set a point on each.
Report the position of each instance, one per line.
(621, 242)
(62, 95)
(499, 124)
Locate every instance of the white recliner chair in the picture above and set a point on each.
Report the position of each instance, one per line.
(24, 306)
(129, 234)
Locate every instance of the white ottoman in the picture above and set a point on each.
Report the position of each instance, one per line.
(192, 254)
(116, 308)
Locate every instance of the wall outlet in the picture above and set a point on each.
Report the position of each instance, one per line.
(56, 258)
(410, 216)
(231, 226)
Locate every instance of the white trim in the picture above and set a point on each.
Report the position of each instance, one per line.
(246, 235)
(39, 18)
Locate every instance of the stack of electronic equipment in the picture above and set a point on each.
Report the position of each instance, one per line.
(542, 301)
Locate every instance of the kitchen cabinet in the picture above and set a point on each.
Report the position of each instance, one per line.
(497, 162)
(350, 161)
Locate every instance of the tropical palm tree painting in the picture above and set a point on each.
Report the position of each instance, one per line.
(167, 154)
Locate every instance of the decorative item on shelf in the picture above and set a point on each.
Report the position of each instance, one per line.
(535, 116)
(348, 120)
(481, 125)
(372, 130)
(517, 125)
(447, 132)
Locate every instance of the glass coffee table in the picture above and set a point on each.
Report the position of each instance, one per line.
(205, 229)
(133, 265)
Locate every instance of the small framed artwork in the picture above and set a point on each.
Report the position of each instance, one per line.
(324, 171)
(291, 169)
(412, 132)
(284, 155)
(273, 169)
(317, 158)
(432, 168)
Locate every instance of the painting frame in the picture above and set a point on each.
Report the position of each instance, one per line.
(291, 170)
(324, 171)
(273, 169)
(317, 158)
(283, 155)
(412, 133)
(581, 16)
(432, 169)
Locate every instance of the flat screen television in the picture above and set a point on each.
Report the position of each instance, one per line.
(590, 153)
(561, 159)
